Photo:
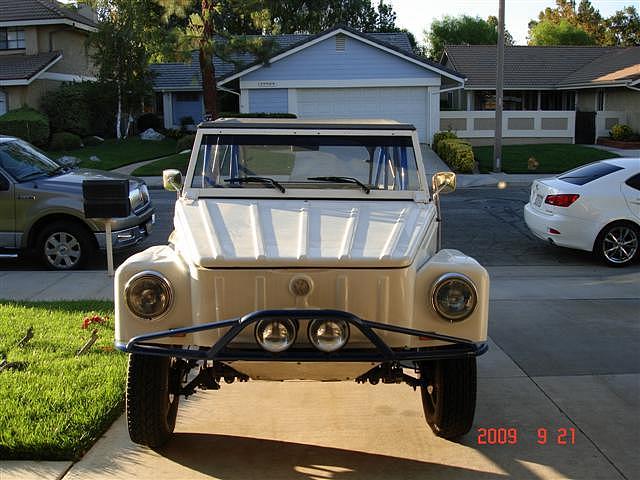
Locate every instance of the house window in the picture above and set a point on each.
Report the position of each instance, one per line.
(564, 100)
(484, 100)
(600, 106)
(453, 100)
(11, 38)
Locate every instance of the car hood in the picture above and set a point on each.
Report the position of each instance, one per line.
(301, 233)
(73, 179)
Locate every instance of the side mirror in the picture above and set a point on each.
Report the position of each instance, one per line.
(443, 182)
(172, 180)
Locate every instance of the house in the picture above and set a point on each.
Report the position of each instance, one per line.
(42, 43)
(339, 73)
(563, 94)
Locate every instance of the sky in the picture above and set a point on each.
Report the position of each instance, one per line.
(416, 15)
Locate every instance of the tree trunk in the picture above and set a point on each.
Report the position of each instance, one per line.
(119, 115)
(206, 61)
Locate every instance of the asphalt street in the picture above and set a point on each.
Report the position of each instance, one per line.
(563, 372)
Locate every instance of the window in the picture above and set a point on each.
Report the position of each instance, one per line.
(634, 182)
(11, 38)
(564, 101)
(589, 173)
(600, 106)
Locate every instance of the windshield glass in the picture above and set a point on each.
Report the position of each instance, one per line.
(22, 161)
(351, 162)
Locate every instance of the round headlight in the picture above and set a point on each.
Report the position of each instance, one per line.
(454, 297)
(148, 294)
(275, 335)
(328, 335)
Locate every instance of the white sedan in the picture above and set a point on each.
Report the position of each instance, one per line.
(595, 208)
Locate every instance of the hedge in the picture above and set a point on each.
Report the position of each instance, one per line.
(457, 153)
(27, 124)
(185, 143)
(149, 120)
(65, 141)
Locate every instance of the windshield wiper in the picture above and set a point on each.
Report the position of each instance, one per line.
(59, 169)
(31, 175)
(355, 181)
(264, 180)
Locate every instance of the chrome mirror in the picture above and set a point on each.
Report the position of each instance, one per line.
(172, 180)
(443, 182)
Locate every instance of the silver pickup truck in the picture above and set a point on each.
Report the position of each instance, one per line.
(42, 210)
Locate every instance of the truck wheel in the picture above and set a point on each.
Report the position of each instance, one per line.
(152, 399)
(449, 396)
(64, 246)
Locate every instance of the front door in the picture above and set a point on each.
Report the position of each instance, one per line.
(7, 214)
(585, 128)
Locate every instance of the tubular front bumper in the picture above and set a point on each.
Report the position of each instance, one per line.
(380, 351)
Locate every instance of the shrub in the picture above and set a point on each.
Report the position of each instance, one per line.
(172, 133)
(26, 123)
(621, 132)
(256, 115)
(185, 143)
(65, 141)
(438, 137)
(457, 153)
(92, 141)
(149, 120)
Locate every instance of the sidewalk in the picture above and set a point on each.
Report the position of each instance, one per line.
(48, 286)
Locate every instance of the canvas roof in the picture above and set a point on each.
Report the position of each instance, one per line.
(545, 67)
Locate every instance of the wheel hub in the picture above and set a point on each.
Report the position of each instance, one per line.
(62, 250)
(620, 244)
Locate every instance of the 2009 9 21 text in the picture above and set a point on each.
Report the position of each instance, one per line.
(509, 436)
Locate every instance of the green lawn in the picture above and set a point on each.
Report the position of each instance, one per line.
(60, 404)
(117, 153)
(177, 160)
(551, 158)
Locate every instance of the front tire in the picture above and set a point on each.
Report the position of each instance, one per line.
(618, 244)
(449, 396)
(64, 245)
(152, 399)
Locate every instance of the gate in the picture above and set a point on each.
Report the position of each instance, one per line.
(585, 127)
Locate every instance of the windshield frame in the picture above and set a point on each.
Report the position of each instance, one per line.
(421, 193)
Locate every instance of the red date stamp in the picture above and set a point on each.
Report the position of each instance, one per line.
(510, 436)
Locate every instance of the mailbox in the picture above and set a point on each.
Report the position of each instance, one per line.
(106, 198)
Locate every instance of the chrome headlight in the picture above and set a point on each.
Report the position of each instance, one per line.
(328, 335)
(138, 196)
(275, 335)
(454, 296)
(148, 294)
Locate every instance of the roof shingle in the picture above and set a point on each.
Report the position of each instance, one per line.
(25, 10)
(23, 67)
(542, 67)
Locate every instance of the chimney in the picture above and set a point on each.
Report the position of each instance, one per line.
(87, 12)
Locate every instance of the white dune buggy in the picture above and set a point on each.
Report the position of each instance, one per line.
(302, 250)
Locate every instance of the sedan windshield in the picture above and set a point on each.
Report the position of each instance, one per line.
(304, 161)
(24, 162)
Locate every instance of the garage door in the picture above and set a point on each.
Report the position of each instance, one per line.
(404, 104)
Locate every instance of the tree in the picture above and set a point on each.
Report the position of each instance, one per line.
(462, 30)
(561, 33)
(119, 49)
(623, 28)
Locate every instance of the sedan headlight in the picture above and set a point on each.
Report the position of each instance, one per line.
(148, 294)
(454, 296)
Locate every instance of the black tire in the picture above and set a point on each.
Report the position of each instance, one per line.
(619, 254)
(449, 399)
(152, 401)
(64, 245)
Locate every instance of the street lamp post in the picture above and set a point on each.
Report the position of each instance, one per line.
(497, 146)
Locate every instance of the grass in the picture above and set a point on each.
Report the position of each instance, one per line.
(60, 404)
(551, 158)
(177, 160)
(117, 153)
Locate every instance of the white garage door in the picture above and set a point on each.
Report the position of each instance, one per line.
(404, 104)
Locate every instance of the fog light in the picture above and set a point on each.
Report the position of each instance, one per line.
(454, 297)
(328, 335)
(148, 294)
(275, 335)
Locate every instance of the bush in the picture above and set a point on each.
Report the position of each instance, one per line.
(438, 137)
(92, 141)
(172, 133)
(149, 120)
(185, 143)
(65, 141)
(27, 124)
(256, 115)
(457, 153)
(621, 132)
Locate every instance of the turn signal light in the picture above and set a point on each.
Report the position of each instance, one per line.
(563, 200)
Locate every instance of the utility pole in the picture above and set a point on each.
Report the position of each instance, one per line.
(497, 146)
